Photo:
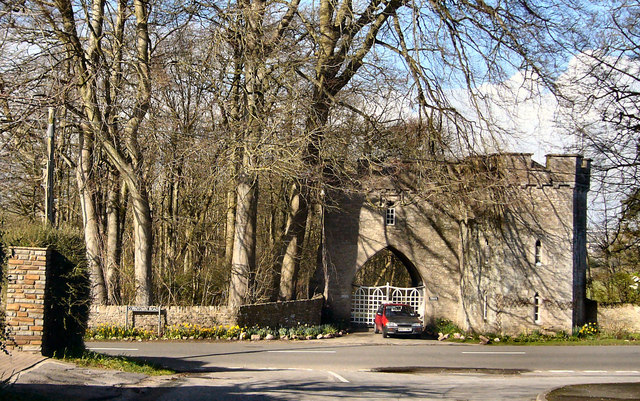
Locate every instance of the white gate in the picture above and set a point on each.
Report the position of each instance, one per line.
(365, 301)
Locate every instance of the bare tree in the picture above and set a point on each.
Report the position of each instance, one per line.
(104, 115)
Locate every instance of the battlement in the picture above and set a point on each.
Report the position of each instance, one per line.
(569, 169)
(513, 169)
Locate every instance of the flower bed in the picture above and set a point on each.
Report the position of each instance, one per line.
(186, 331)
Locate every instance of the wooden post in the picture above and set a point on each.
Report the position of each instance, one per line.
(48, 189)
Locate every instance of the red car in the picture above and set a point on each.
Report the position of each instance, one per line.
(397, 319)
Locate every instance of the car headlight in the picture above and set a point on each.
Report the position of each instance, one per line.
(416, 325)
(392, 324)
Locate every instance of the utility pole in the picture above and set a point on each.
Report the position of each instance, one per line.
(48, 189)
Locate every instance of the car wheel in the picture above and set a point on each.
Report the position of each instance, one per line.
(384, 333)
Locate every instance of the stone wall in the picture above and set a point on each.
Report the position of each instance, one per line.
(27, 277)
(616, 318)
(284, 314)
(206, 316)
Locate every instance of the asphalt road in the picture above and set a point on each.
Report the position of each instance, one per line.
(364, 351)
(64, 382)
(344, 368)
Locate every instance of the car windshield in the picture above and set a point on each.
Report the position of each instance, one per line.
(399, 310)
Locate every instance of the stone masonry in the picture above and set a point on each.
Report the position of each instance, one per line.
(488, 265)
(205, 316)
(272, 314)
(27, 271)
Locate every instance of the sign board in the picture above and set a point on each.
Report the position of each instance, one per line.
(143, 309)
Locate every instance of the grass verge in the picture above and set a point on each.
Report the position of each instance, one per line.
(96, 360)
(588, 334)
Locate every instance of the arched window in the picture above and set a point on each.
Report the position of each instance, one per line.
(537, 253)
(536, 308)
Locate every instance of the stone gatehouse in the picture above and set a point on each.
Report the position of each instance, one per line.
(503, 251)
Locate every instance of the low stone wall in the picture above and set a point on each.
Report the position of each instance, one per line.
(274, 314)
(282, 314)
(206, 316)
(625, 317)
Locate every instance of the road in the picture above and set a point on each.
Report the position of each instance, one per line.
(351, 368)
(363, 351)
(356, 367)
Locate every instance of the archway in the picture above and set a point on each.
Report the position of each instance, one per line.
(388, 266)
(388, 276)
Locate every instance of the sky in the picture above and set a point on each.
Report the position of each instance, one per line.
(531, 120)
(524, 114)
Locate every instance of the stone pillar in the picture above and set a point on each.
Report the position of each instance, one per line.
(27, 274)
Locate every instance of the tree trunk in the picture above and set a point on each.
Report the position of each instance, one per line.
(294, 237)
(230, 227)
(115, 213)
(86, 189)
(244, 245)
(143, 241)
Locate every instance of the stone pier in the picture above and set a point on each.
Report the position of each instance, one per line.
(27, 276)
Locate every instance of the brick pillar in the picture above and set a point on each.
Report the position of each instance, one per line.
(27, 274)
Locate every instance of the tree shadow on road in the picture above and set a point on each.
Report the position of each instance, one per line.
(233, 384)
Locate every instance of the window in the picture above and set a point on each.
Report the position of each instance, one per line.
(536, 308)
(537, 253)
(390, 216)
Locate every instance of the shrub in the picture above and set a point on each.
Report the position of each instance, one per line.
(186, 331)
(587, 330)
(328, 329)
(110, 332)
(444, 326)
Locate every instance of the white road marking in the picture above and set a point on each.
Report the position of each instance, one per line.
(562, 371)
(627, 371)
(113, 349)
(292, 351)
(337, 376)
(495, 352)
(595, 371)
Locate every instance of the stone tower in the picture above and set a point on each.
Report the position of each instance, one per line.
(503, 251)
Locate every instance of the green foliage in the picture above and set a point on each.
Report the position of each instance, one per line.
(67, 241)
(444, 326)
(95, 360)
(618, 287)
(111, 332)
(587, 330)
(329, 329)
(283, 332)
(186, 331)
(588, 334)
(615, 261)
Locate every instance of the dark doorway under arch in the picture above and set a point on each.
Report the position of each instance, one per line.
(388, 276)
(388, 266)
